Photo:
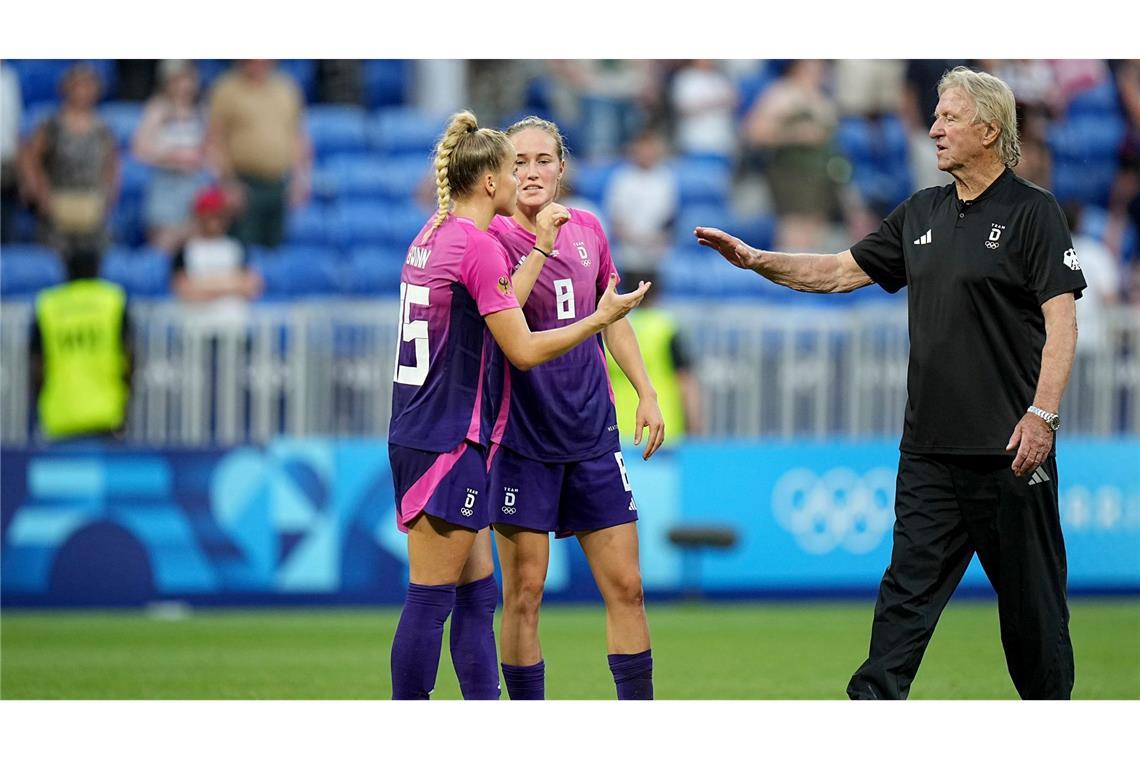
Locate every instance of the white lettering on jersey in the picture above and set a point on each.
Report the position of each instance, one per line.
(417, 257)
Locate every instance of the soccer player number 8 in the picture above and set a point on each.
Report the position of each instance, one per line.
(412, 329)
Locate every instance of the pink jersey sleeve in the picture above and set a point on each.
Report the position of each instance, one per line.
(486, 274)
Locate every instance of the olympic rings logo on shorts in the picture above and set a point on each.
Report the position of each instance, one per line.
(838, 508)
(509, 510)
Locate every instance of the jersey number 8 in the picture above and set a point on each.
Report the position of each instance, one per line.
(412, 329)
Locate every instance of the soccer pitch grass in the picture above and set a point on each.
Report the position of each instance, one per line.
(700, 651)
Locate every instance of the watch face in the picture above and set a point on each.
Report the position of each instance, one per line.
(1055, 423)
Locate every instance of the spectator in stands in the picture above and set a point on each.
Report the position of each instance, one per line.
(258, 144)
(668, 365)
(1101, 268)
(81, 357)
(869, 88)
(171, 137)
(70, 167)
(794, 123)
(1124, 204)
(642, 200)
(10, 110)
(611, 98)
(212, 269)
(703, 99)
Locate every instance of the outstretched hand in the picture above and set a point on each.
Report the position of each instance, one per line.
(733, 249)
(613, 306)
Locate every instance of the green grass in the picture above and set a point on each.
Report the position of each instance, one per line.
(706, 651)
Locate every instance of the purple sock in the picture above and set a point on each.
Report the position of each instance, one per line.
(419, 636)
(525, 681)
(633, 674)
(473, 639)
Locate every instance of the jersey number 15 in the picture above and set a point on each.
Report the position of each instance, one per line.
(415, 330)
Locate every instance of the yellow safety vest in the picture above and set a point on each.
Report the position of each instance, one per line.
(84, 390)
(655, 330)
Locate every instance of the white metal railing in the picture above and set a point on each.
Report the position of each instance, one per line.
(324, 368)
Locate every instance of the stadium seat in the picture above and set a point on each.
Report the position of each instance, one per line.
(751, 88)
(385, 82)
(123, 118)
(40, 78)
(590, 178)
(126, 221)
(309, 225)
(35, 114)
(27, 269)
(143, 272)
(134, 177)
(275, 273)
(345, 177)
(357, 222)
(304, 72)
(402, 223)
(338, 129)
(1100, 100)
(374, 271)
(312, 271)
(405, 131)
(702, 182)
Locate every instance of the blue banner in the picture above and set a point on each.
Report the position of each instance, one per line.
(312, 521)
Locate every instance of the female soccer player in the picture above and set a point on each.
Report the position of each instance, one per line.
(455, 280)
(556, 462)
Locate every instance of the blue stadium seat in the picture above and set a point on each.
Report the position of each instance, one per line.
(27, 269)
(338, 129)
(275, 272)
(590, 178)
(405, 131)
(209, 69)
(402, 222)
(1100, 100)
(304, 73)
(142, 272)
(385, 82)
(309, 225)
(702, 182)
(134, 177)
(346, 177)
(751, 88)
(1086, 138)
(40, 78)
(356, 222)
(35, 114)
(312, 271)
(127, 226)
(374, 271)
(122, 117)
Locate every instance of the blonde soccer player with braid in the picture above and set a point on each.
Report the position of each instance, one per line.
(455, 281)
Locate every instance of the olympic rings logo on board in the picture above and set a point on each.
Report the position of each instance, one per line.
(840, 508)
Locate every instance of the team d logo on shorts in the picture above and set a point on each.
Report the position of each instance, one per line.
(509, 495)
(468, 508)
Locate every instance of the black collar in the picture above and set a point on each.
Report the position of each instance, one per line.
(1002, 178)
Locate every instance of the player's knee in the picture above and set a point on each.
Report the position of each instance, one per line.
(525, 597)
(626, 590)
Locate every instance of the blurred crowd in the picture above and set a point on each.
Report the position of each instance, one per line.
(214, 173)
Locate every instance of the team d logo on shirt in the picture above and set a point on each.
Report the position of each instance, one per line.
(583, 254)
(995, 235)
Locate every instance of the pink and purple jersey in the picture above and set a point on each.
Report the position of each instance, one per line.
(563, 410)
(449, 282)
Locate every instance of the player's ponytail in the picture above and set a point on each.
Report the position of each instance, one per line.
(462, 156)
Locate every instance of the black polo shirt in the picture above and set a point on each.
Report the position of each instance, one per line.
(978, 272)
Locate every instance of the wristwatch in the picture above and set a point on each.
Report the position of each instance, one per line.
(1051, 419)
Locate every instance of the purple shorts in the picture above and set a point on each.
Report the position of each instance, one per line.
(564, 497)
(451, 486)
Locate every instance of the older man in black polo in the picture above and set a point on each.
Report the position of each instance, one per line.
(991, 279)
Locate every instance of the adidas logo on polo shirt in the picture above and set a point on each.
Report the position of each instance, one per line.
(926, 238)
(1039, 476)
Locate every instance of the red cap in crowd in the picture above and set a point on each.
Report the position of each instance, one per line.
(210, 201)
